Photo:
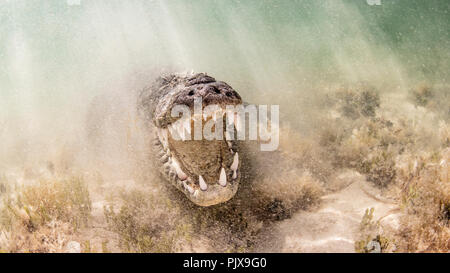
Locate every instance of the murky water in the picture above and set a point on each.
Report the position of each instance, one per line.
(57, 56)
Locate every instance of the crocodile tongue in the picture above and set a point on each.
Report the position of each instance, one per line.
(202, 157)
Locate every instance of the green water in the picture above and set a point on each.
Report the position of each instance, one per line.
(55, 56)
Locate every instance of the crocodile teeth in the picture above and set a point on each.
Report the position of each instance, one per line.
(234, 174)
(202, 183)
(189, 188)
(164, 158)
(177, 168)
(223, 178)
(235, 164)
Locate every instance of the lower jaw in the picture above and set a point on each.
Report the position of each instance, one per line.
(215, 193)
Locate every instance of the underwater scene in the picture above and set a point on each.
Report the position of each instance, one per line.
(360, 132)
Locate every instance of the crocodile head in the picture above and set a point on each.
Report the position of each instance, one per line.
(206, 171)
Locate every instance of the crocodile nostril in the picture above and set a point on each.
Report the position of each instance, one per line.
(191, 93)
(229, 94)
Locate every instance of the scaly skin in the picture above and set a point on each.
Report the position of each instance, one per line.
(206, 171)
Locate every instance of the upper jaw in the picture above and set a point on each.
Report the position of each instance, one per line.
(181, 95)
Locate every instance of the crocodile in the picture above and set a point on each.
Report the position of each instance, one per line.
(206, 171)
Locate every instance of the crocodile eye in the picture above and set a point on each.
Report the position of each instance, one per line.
(191, 93)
